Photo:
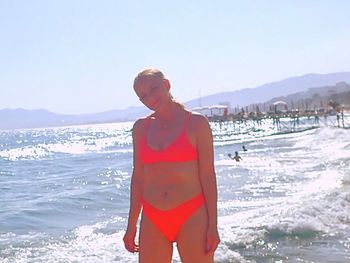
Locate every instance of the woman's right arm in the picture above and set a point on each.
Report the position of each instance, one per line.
(135, 192)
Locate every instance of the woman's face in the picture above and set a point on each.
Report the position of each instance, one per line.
(152, 91)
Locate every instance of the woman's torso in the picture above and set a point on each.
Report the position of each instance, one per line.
(174, 179)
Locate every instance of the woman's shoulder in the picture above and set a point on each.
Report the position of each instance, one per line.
(200, 127)
(140, 125)
(198, 118)
(140, 122)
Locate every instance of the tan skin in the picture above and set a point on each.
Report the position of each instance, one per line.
(167, 184)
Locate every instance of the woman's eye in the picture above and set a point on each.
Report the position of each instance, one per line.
(150, 92)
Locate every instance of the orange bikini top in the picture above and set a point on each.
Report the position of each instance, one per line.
(179, 150)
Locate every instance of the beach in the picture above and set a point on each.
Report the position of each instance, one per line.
(65, 194)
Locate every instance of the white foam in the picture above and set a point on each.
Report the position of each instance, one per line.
(85, 244)
(28, 153)
(89, 244)
(318, 212)
(42, 151)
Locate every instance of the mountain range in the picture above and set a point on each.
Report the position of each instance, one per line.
(21, 118)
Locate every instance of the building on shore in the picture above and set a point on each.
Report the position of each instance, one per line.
(213, 111)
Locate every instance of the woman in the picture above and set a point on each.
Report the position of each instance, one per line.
(173, 179)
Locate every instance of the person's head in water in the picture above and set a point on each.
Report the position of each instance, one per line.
(236, 157)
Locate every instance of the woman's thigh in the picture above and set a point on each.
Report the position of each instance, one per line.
(154, 246)
(191, 241)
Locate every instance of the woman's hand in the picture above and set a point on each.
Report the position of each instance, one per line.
(129, 240)
(213, 239)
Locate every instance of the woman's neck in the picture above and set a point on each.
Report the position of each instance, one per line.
(168, 113)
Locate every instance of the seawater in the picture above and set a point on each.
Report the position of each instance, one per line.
(65, 194)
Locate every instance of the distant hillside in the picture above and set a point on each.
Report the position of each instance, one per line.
(312, 98)
(265, 92)
(20, 118)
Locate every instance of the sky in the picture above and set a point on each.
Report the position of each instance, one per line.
(81, 56)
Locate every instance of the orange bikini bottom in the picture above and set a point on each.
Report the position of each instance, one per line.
(170, 221)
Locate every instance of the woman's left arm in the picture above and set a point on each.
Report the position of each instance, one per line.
(208, 178)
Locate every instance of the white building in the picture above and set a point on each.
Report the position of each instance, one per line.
(212, 110)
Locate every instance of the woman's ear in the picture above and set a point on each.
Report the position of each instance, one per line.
(167, 84)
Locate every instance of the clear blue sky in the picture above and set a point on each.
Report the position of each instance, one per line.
(79, 56)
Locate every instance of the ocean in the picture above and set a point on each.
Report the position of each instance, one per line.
(65, 193)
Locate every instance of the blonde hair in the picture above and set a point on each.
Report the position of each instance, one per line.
(158, 74)
(149, 72)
